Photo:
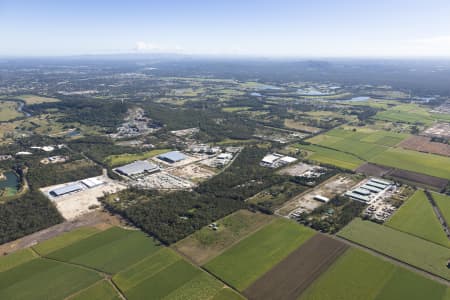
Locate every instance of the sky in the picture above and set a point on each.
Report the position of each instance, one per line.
(281, 28)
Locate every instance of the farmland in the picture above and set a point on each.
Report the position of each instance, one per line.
(124, 247)
(74, 265)
(332, 157)
(166, 275)
(417, 217)
(346, 148)
(289, 278)
(443, 202)
(430, 164)
(402, 246)
(206, 243)
(44, 279)
(349, 279)
(410, 113)
(248, 260)
(100, 290)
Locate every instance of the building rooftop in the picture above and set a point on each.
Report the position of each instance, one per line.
(66, 189)
(172, 156)
(137, 167)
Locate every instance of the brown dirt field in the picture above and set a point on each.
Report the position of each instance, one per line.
(370, 169)
(423, 144)
(413, 177)
(288, 279)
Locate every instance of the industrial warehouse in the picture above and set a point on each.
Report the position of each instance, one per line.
(369, 191)
(137, 167)
(172, 157)
(275, 160)
(79, 197)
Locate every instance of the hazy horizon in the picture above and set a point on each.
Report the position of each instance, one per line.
(275, 29)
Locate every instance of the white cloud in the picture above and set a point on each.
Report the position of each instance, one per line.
(152, 47)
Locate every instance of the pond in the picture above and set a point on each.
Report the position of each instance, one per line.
(9, 183)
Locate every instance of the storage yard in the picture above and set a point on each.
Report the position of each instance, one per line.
(314, 198)
(74, 199)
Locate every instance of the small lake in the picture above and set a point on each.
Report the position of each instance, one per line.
(360, 98)
(11, 183)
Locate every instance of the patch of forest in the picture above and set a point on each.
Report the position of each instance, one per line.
(172, 216)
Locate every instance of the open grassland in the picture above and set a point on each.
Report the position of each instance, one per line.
(165, 275)
(44, 279)
(64, 240)
(411, 113)
(33, 99)
(122, 159)
(417, 217)
(443, 202)
(429, 164)
(248, 260)
(332, 157)
(402, 246)
(8, 111)
(364, 143)
(206, 243)
(359, 275)
(100, 290)
(17, 258)
(124, 247)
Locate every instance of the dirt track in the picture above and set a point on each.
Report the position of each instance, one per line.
(289, 278)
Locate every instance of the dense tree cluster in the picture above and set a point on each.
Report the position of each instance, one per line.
(26, 215)
(170, 217)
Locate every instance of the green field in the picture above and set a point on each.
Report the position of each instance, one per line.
(17, 258)
(411, 113)
(124, 247)
(430, 164)
(64, 240)
(359, 275)
(417, 217)
(123, 159)
(205, 244)
(364, 143)
(8, 111)
(332, 157)
(44, 279)
(443, 202)
(402, 246)
(246, 261)
(101, 290)
(166, 275)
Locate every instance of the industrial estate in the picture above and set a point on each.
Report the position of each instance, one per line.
(162, 179)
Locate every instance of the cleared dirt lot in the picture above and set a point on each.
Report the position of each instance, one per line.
(192, 172)
(288, 279)
(439, 130)
(423, 144)
(305, 202)
(299, 169)
(78, 203)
